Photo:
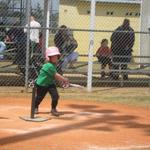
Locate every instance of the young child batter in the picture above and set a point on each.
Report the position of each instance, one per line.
(46, 80)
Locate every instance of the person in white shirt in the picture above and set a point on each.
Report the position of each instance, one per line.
(34, 44)
(34, 34)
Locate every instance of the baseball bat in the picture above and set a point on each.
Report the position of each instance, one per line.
(73, 85)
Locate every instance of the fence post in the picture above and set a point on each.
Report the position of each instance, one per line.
(90, 54)
(47, 4)
(28, 8)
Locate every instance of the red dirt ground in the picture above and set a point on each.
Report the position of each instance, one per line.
(82, 126)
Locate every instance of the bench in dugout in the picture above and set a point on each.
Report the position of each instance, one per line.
(8, 65)
(138, 70)
(134, 68)
(139, 67)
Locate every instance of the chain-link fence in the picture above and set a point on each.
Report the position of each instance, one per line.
(102, 42)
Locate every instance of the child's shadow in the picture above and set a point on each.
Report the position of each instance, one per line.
(60, 112)
(63, 115)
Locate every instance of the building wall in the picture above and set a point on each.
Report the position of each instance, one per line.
(76, 15)
(145, 27)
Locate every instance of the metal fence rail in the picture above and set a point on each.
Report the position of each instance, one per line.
(86, 22)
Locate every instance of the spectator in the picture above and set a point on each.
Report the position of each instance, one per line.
(104, 56)
(11, 34)
(34, 35)
(66, 43)
(59, 37)
(2, 48)
(122, 42)
(18, 37)
(34, 45)
(20, 42)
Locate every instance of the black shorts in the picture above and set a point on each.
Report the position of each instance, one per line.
(104, 60)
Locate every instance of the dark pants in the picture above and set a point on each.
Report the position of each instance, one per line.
(122, 63)
(104, 60)
(42, 91)
(20, 57)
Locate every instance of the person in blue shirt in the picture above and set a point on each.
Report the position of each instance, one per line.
(2, 48)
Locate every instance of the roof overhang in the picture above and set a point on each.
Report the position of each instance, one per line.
(118, 1)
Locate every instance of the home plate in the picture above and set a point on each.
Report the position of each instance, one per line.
(35, 119)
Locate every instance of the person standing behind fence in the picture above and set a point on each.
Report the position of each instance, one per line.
(66, 43)
(20, 42)
(59, 41)
(59, 38)
(18, 37)
(69, 55)
(104, 56)
(46, 80)
(122, 42)
(34, 44)
(34, 35)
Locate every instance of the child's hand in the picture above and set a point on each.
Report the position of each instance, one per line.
(65, 83)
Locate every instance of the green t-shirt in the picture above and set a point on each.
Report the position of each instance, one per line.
(47, 75)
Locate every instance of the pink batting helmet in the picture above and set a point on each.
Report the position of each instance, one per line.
(51, 51)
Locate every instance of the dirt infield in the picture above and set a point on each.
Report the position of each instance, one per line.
(82, 126)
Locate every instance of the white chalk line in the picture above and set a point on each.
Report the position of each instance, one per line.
(29, 130)
(131, 147)
(4, 107)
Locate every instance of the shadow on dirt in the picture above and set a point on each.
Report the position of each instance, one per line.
(3, 118)
(105, 120)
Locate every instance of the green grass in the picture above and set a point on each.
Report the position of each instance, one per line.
(128, 96)
(139, 97)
